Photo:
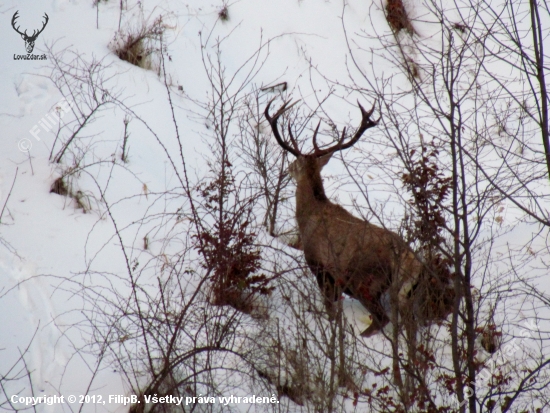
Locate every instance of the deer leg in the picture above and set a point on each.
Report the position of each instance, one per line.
(369, 290)
(378, 315)
(331, 292)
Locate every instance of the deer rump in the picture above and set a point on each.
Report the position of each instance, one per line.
(352, 256)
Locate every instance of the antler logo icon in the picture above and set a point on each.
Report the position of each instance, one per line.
(29, 40)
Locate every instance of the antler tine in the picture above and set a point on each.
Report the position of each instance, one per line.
(366, 123)
(35, 33)
(293, 140)
(13, 19)
(273, 122)
(47, 19)
(342, 137)
(315, 147)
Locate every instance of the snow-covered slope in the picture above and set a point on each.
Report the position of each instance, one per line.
(46, 237)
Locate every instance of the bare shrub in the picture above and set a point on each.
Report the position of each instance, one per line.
(87, 87)
(138, 45)
(16, 375)
(267, 164)
(88, 93)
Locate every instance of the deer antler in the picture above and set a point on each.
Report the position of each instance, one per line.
(315, 147)
(294, 150)
(13, 19)
(35, 35)
(366, 123)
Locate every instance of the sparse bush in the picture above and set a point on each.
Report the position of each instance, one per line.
(228, 246)
(433, 294)
(138, 45)
(87, 93)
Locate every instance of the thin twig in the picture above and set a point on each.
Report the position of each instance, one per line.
(9, 194)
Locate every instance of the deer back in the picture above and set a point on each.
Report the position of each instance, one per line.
(348, 247)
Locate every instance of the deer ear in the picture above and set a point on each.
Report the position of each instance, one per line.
(323, 160)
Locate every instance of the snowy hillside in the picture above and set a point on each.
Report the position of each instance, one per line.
(148, 245)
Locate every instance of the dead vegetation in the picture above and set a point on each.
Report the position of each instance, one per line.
(430, 186)
(223, 14)
(412, 68)
(397, 17)
(139, 45)
(60, 187)
(229, 247)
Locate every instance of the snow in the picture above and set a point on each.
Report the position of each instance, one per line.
(52, 238)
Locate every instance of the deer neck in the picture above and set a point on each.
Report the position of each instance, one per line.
(310, 194)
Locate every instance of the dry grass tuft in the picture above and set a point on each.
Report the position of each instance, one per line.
(60, 187)
(223, 14)
(138, 45)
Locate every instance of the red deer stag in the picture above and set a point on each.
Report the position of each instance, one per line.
(346, 254)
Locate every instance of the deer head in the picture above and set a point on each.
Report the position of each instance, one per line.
(29, 40)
